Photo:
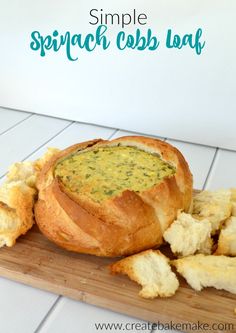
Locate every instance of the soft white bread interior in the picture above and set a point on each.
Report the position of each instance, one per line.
(208, 271)
(214, 206)
(151, 270)
(17, 197)
(187, 235)
(22, 171)
(227, 238)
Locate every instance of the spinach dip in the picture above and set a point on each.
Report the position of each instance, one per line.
(105, 172)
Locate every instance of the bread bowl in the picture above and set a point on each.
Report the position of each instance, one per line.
(94, 197)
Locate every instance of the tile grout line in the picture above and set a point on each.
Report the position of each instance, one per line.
(16, 124)
(42, 145)
(47, 315)
(210, 169)
(113, 133)
(138, 134)
(58, 117)
(199, 144)
(54, 136)
(126, 130)
(46, 142)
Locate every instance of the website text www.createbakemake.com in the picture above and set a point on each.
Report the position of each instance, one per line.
(163, 326)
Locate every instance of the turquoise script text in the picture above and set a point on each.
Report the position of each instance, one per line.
(192, 40)
(89, 42)
(137, 41)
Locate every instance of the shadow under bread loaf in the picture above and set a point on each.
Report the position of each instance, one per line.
(112, 198)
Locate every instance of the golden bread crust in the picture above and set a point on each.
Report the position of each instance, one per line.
(121, 225)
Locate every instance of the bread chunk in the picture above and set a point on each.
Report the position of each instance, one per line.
(151, 270)
(17, 197)
(214, 206)
(208, 271)
(227, 238)
(22, 171)
(16, 210)
(187, 235)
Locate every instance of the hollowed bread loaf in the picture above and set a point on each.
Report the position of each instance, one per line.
(112, 198)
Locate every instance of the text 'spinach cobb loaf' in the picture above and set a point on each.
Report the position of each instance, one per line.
(112, 198)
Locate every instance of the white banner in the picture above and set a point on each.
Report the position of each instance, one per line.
(181, 86)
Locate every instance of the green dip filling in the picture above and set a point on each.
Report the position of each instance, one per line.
(105, 172)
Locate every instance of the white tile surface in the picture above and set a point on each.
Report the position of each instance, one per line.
(21, 307)
(124, 133)
(73, 134)
(199, 159)
(23, 139)
(223, 174)
(73, 316)
(9, 118)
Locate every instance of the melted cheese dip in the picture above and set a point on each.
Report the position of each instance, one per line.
(105, 172)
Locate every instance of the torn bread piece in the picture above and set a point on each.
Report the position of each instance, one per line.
(208, 271)
(17, 197)
(22, 171)
(39, 163)
(151, 270)
(214, 206)
(27, 171)
(227, 238)
(187, 235)
(16, 210)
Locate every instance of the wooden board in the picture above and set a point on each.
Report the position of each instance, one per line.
(37, 262)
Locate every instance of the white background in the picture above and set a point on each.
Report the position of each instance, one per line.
(172, 93)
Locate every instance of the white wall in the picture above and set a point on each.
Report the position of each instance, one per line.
(172, 93)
